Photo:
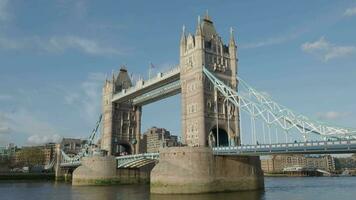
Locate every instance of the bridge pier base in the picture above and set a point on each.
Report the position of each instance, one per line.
(97, 170)
(196, 170)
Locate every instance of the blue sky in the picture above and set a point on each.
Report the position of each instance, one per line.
(55, 55)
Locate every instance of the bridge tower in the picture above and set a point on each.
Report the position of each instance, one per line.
(207, 120)
(121, 121)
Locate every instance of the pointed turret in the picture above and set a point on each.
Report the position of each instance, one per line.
(123, 80)
(207, 27)
(232, 37)
(183, 37)
(183, 41)
(113, 76)
(207, 17)
(198, 32)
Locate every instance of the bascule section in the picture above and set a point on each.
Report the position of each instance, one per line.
(121, 120)
(207, 118)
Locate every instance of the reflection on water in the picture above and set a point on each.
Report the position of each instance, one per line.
(315, 188)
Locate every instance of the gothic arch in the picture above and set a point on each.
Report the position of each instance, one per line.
(218, 134)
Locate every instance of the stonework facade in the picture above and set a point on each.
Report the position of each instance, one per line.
(205, 115)
(121, 121)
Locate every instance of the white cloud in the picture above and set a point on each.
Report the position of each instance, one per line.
(5, 97)
(27, 124)
(350, 12)
(3, 11)
(75, 8)
(87, 97)
(58, 44)
(4, 129)
(326, 50)
(272, 41)
(43, 139)
(267, 42)
(332, 115)
(88, 46)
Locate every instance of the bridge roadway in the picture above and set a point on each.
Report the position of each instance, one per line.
(162, 86)
(317, 147)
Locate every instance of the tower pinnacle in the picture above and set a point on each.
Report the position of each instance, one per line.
(198, 31)
(182, 38)
(232, 37)
(207, 17)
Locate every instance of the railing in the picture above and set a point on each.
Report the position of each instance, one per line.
(343, 146)
(136, 160)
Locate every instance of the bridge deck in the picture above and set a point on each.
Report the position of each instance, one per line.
(325, 147)
(147, 86)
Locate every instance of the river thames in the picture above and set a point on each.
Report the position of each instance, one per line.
(278, 188)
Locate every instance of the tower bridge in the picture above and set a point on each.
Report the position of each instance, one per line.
(213, 99)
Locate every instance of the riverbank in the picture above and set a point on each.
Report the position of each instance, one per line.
(27, 176)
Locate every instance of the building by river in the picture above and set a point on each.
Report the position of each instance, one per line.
(277, 163)
(155, 137)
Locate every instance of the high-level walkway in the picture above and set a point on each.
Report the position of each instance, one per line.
(159, 87)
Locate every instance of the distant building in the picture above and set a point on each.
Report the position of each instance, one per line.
(47, 149)
(154, 138)
(6, 156)
(343, 163)
(7, 152)
(277, 163)
(72, 146)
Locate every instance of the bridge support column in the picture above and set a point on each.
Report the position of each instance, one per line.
(98, 170)
(197, 170)
(59, 172)
(138, 115)
(95, 170)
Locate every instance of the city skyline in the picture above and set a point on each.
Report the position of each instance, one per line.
(53, 69)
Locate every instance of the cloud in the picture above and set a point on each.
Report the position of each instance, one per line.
(326, 50)
(332, 115)
(3, 12)
(43, 139)
(272, 41)
(87, 97)
(26, 123)
(5, 97)
(4, 129)
(75, 8)
(88, 46)
(59, 44)
(350, 12)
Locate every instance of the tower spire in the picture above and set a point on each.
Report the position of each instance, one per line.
(182, 38)
(207, 17)
(232, 37)
(198, 31)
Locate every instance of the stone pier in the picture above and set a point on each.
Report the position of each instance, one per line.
(98, 170)
(196, 170)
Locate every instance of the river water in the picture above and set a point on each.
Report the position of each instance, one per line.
(284, 188)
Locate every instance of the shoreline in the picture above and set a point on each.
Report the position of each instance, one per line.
(26, 176)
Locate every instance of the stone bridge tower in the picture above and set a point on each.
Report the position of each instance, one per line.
(206, 118)
(121, 121)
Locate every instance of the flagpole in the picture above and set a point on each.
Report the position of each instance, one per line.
(149, 70)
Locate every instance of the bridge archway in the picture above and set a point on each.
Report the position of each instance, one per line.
(218, 135)
(123, 149)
